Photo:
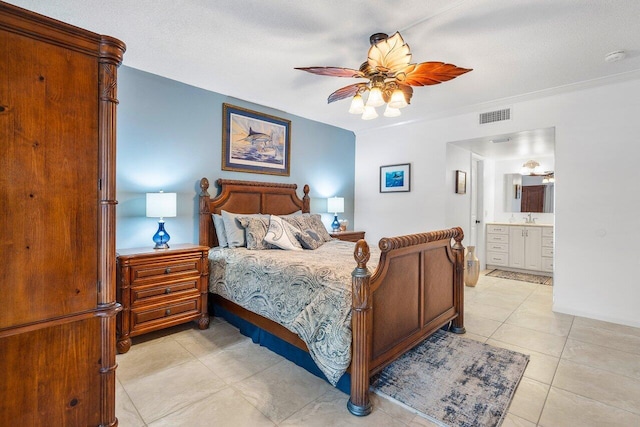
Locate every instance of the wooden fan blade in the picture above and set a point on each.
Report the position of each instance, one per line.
(332, 71)
(431, 73)
(345, 92)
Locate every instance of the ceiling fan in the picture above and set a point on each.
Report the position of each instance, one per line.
(391, 76)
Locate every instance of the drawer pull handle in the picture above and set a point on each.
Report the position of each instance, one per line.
(167, 312)
(167, 270)
(167, 291)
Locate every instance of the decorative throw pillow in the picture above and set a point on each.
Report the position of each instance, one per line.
(315, 223)
(255, 231)
(309, 239)
(282, 234)
(220, 233)
(234, 231)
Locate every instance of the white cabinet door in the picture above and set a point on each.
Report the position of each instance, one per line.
(533, 248)
(516, 247)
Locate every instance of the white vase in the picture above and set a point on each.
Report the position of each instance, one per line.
(471, 267)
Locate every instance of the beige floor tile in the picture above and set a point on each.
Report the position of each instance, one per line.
(224, 408)
(543, 321)
(126, 411)
(614, 390)
(499, 314)
(480, 325)
(171, 389)
(419, 421)
(330, 409)
(219, 336)
(500, 299)
(624, 329)
(149, 358)
(396, 410)
(282, 390)
(474, 337)
(568, 409)
(515, 287)
(541, 367)
(514, 421)
(240, 361)
(530, 339)
(609, 337)
(529, 399)
(597, 356)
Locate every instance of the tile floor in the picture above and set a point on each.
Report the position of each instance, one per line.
(582, 372)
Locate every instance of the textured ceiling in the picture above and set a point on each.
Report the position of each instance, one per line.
(248, 49)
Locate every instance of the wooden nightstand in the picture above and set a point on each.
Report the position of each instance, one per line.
(159, 288)
(349, 236)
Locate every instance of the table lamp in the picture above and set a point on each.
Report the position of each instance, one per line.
(161, 205)
(335, 205)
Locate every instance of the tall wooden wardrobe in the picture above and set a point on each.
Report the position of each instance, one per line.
(57, 220)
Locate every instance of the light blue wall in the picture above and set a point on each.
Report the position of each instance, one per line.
(170, 135)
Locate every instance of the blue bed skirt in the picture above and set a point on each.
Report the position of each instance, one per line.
(277, 345)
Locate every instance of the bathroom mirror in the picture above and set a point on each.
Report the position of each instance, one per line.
(527, 193)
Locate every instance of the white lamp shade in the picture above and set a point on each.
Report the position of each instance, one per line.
(397, 99)
(375, 98)
(369, 113)
(161, 205)
(391, 112)
(357, 105)
(335, 205)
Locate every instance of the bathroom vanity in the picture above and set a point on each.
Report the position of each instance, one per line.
(520, 247)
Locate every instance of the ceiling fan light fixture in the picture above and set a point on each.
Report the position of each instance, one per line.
(357, 105)
(391, 111)
(369, 113)
(397, 99)
(375, 98)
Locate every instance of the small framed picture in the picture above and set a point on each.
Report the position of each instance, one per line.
(461, 182)
(395, 178)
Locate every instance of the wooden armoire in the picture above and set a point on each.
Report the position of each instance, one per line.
(57, 222)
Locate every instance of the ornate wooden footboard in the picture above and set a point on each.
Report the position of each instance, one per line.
(416, 288)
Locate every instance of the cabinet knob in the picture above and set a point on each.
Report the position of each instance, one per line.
(167, 270)
(167, 291)
(167, 312)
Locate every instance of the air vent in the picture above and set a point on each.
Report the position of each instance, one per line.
(495, 116)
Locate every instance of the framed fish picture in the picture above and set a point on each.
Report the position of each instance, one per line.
(255, 142)
(395, 178)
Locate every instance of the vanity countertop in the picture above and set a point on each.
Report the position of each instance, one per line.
(521, 223)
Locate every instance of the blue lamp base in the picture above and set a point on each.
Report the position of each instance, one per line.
(161, 237)
(335, 225)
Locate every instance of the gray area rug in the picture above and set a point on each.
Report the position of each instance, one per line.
(454, 381)
(523, 277)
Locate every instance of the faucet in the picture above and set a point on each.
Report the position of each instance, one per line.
(529, 220)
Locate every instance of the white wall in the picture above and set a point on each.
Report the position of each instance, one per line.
(597, 201)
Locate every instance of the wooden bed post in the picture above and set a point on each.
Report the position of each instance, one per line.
(306, 201)
(457, 325)
(361, 323)
(205, 215)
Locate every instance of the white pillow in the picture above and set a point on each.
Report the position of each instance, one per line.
(282, 234)
(218, 223)
(234, 230)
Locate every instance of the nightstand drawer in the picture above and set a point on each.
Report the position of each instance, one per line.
(166, 269)
(143, 316)
(145, 293)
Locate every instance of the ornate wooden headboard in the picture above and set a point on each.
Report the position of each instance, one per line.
(247, 197)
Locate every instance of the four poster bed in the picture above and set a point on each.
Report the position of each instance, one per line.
(415, 288)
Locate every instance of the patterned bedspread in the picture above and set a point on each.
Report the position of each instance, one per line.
(308, 292)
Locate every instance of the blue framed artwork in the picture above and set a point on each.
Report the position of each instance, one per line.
(395, 178)
(255, 142)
